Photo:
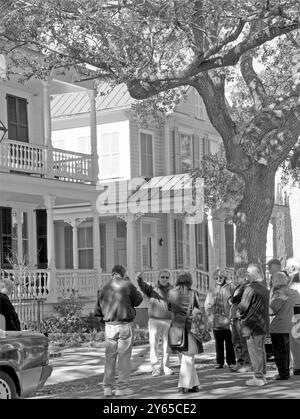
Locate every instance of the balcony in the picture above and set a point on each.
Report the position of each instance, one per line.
(47, 162)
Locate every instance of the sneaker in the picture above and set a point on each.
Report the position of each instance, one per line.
(218, 367)
(107, 392)
(259, 382)
(124, 392)
(155, 373)
(235, 368)
(245, 368)
(168, 371)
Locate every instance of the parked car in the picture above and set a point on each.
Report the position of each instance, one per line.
(24, 363)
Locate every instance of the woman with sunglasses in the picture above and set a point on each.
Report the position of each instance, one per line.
(159, 321)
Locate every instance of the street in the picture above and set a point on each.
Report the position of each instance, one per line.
(78, 374)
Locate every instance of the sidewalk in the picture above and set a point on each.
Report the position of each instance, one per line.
(78, 374)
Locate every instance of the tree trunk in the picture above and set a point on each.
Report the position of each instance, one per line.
(252, 216)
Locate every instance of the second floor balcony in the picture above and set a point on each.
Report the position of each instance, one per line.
(33, 159)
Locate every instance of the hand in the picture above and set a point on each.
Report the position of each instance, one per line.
(246, 332)
(139, 275)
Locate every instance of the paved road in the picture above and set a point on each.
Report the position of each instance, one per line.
(78, 375)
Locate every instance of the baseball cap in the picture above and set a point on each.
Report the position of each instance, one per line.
(274, 262)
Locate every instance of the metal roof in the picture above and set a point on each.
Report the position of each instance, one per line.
(76, 103)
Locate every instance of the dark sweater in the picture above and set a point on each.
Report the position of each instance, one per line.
(116, 301)
(7, 310)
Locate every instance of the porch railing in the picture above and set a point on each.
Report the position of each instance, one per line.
(82, 282)
(41, 160)
(33, 283)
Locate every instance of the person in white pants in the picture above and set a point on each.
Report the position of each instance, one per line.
(159, 321)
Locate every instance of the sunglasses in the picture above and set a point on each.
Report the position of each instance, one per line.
(165, 277)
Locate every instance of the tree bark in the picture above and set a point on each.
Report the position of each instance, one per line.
(252, 216)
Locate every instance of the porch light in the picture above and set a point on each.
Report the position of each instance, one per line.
(3, 131)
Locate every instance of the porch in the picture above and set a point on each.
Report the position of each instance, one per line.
(52, 286)
(45, 161)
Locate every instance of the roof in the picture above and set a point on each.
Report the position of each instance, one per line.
(76, 103)
(178, 194)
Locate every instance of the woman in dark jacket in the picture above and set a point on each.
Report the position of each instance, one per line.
(183, 300)
(6, 308)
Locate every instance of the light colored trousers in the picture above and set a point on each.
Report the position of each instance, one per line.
(158, 329)
(118, 344)
(188, 377)
(257, 352)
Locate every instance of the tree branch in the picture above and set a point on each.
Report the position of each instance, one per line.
(253, 81)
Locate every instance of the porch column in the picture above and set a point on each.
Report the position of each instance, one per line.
(96, 240)
(49, 203)
(47, 127)
(193, 259)
(130, 245)
(222, 244)
(171, 242)
(167, 146)
(75, 244)
(93, 127)
(211, 249)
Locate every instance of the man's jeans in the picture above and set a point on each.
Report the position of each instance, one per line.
(239, 344)
(159, 328)
(118, 343)
(257, 352)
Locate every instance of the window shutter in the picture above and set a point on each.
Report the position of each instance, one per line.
(176, 151)
(17, 118)
(229, 240)
(196, 151)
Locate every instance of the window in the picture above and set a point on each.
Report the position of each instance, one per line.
(146, 144)
(186, 152)
(201, 246)
(17, 118)
(14, 247)
(85, 247)
(110, 159)
(5, 236)
(229, 240)
(103, 246)
(41, 232)
(199, 106)
(179, 244)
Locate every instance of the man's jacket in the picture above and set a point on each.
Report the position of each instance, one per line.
(254, 308)
(117, 300)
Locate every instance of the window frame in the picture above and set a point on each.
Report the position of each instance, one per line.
(115, 175)
(17, 124)
(146, 132)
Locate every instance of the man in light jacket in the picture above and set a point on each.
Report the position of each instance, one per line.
(159, 321)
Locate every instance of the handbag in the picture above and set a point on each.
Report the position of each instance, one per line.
(198, 326)
(177, 337)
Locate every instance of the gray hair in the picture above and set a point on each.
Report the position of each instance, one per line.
(257, 271)
(241, 273)
(8, 284)
(280, 280)
(293, 263)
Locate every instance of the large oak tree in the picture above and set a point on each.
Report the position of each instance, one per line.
(157, 46)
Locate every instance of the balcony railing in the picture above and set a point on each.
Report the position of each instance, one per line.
(51, 162)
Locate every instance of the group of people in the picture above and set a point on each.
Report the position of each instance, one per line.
(240, 313)
(244, 311)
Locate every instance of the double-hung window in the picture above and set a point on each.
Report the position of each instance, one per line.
(85, 247)
(110, 156)
(146, 144)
